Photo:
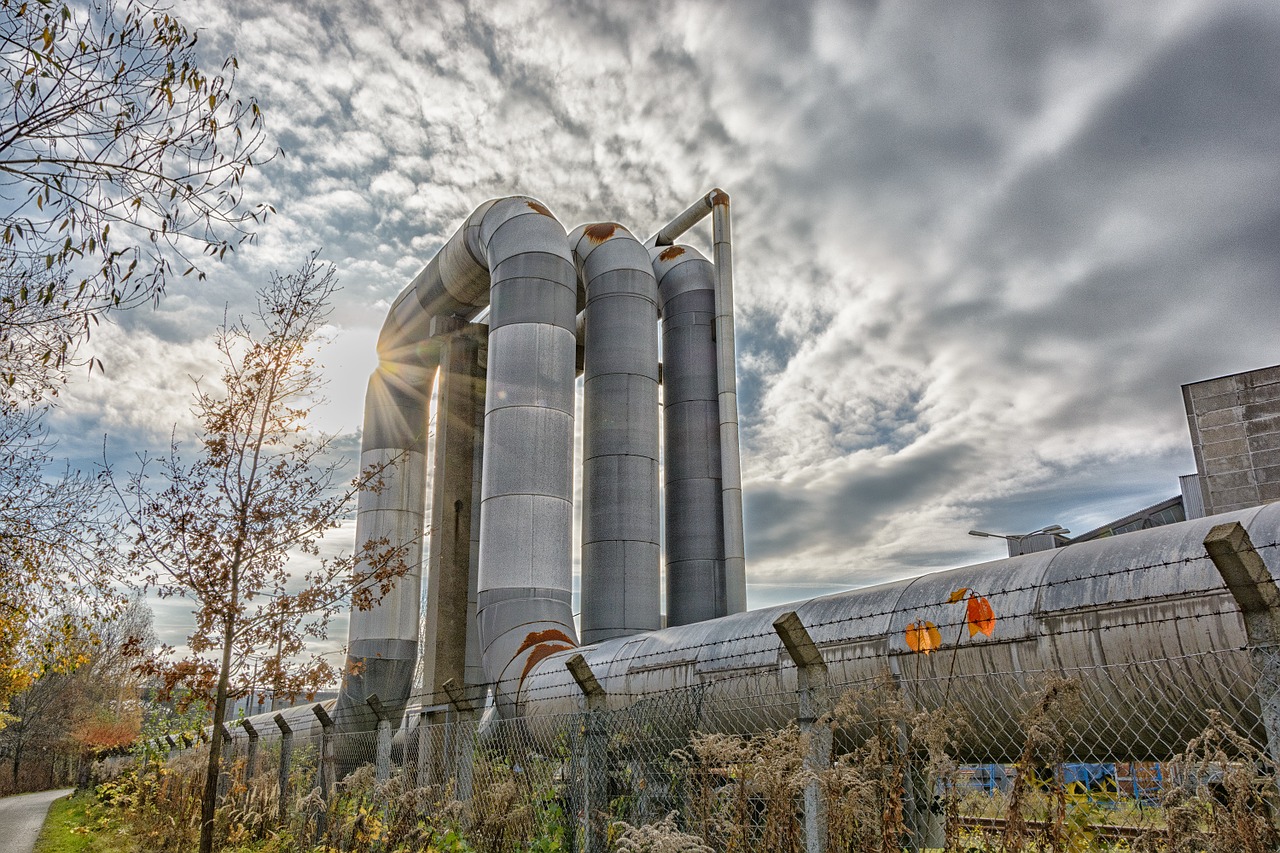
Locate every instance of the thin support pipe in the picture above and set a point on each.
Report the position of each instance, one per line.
(735, 562)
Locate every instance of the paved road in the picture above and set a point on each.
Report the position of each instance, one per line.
(21, 818)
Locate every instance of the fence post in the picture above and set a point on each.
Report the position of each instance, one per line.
(813, 684)
(228, 750)
(173, 747)
(326, 763)
(382, 755)
(420, 774)
(463, 756)
(286, 755)
(594, 759)
(251, 758)
(1254, 588)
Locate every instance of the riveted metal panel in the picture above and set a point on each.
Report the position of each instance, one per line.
(528, 450)
(463, 276)
(693, 276)
(519, 537)
(625, 282)
(635, 597)
(692, 587)
(619, 255)
(533, 300)
(625, 330)
(690, 442)
(396, 410)
(620, 498)
(629, 425)
(585, 239)
(688, 373)
(402, 480)
(545, 265)
(700, 302)
(529, 234)
(530, 365)
(504, 210)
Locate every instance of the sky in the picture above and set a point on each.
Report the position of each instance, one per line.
(978, 247)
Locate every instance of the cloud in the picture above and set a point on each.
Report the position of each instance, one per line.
(977, 249)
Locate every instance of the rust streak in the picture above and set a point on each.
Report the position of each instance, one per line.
(600, 232)
(539, 207)
(719, 197)
(670, 253)
(533, 638)
(540, 651)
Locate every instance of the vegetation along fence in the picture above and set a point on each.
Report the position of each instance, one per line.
(1125, 752)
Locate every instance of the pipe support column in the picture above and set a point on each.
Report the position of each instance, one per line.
(450, 609)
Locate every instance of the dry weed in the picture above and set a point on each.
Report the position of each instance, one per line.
(661, 837)
(1226, 796)
(864, 787)
(1046, 726)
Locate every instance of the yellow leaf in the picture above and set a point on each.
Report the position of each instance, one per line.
(923, 637)
(958, 595)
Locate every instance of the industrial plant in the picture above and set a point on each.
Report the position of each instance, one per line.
(1164, 627)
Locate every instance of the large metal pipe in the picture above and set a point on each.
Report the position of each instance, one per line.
(716, 203)
(691, 437)
(620, 532)
(383, 641)
(513, 256)
(526, 511)
(1143, 620)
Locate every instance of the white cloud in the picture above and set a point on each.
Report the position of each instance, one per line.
(977, 250)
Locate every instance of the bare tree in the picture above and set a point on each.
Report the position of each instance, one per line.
(220, 528)
(121, 162)
(57, 544)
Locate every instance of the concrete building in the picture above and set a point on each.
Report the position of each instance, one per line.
(1235, 433)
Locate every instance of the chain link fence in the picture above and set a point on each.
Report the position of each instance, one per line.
(1124, 750)
(717, 767)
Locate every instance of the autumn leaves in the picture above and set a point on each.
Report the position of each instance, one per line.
(923, 637)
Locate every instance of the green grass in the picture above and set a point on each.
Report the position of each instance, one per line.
(75, 826)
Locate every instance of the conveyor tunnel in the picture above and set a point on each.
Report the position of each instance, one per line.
(499, 563)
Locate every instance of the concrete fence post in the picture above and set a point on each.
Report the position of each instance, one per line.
(1254, 588)
(325, 768)
(814, 689)
(382, 754)
(593, 760)
(463, 755)
(421, 735)
(228, 751)
(286, 756)
(251, 758)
